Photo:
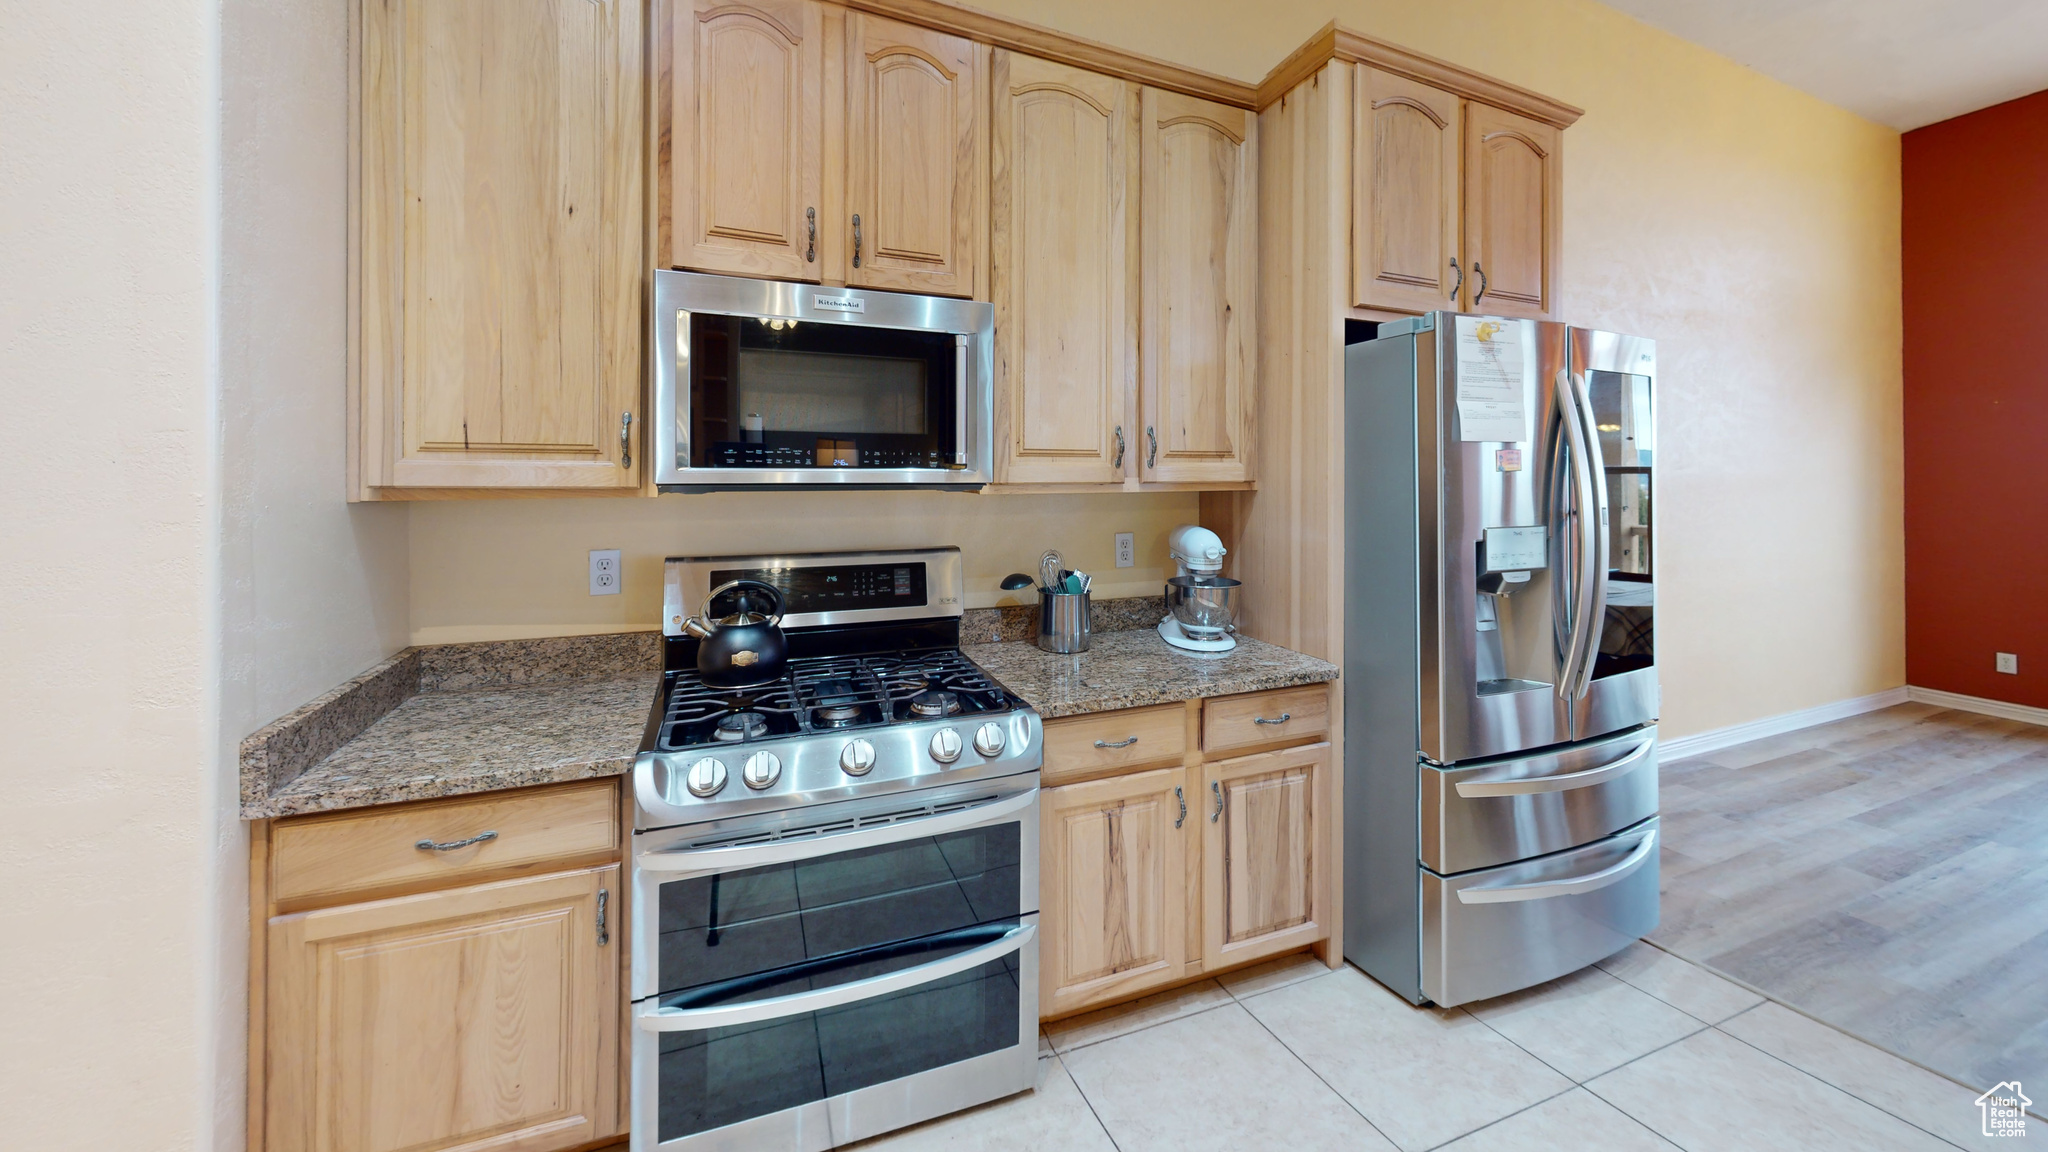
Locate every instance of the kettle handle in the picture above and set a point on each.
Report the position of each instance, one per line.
(704, 617)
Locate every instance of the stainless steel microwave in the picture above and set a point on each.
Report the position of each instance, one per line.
(759, 382)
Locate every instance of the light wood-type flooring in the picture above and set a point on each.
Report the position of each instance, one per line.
(1884, 873)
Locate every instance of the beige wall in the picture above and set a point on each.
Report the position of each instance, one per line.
(108, 609)
(501, 569)
(1754, 231)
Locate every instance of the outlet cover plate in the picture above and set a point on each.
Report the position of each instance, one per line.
(605, 578)
(2009, 663)
(1126, 549)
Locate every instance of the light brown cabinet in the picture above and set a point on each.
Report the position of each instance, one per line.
(746, 110)
(1455, 203)
(1112, 888)
(482, 1017)
(1064, 271)
(1198, 173)
(498, 246)
(1152, 875)
(1262, 858)
(807, 142)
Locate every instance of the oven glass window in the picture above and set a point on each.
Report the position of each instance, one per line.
(791, 928)
(808, 394)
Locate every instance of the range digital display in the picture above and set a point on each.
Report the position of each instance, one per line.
(839, 588)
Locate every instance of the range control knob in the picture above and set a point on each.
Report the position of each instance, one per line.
(857, 758)
(763, 769)
(988, 739)
(945, 745)
(706, 777)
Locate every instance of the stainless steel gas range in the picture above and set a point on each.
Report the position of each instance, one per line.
(835, 872)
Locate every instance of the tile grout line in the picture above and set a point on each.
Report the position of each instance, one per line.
(1076, 1082)
(1824, 1080)
(1140, 1028)
(1287, 1048)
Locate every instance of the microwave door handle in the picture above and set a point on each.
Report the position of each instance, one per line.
(1596, 472)
(683, 864)
(959, 399)
(796, 1003)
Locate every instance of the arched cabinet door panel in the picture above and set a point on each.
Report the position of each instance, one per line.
(1199, 175)
(1405, 201)
(1513, 189)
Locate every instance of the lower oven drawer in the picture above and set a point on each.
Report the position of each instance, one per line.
(1488, 933)
(1512, 809)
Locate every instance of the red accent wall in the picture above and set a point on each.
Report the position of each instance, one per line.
(1976, 396)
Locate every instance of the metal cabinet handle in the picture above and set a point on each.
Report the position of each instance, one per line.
(1460, 282)
(1284, 718)
(811, 244)
(1183, 817)
(625, 440)
(856, 239)
(1119, 461)
(1117, 743)
(1151, 452)
(1216, 789)
(452, 845)
(1481, 273)
(604, 930)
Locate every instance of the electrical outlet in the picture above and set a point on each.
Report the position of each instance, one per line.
(1126, 549)
(604, 572)
(2009, 663)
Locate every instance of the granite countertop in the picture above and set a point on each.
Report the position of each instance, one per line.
(1136, 668)
(449, 743)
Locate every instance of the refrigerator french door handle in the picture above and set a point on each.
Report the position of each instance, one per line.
(1573, 886)
(1596, 471)
(1578, 658)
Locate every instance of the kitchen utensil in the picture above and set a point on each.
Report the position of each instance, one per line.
(1065, 621)
(1014, 581)
(1049, 570)
(745, 646)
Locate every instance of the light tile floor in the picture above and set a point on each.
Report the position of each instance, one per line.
(1644, 1051)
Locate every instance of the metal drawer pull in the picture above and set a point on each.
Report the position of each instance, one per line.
(1216, 786)
(625, 439)
(856, 239)
(1575, 886)
(1460, 282)
(1481, 273)
(452, 845)
(1119, 461)
(604, 928)
(811, 239)
(1474, 789)
(1284, 718)
(1183, 817)
(1116, 743)
(797, 1003)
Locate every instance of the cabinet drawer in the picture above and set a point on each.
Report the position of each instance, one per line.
(1256, 718)
(378, 848)
(1103, 743)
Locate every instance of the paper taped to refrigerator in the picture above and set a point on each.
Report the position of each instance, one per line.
(1492, 402)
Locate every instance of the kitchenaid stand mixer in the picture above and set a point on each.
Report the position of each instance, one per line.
(1201, 612)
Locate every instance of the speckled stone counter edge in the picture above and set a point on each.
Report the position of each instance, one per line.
(1020, 621)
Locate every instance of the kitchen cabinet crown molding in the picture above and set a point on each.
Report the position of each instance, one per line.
(1336, 42)
(1064, 48)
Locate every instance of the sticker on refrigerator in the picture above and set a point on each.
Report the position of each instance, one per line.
(1491, 387)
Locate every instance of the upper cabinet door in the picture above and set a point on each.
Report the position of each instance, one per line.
(917, 157)
(1064, 271)
(1405, 205)
(1199, 175)
(500, 254)
(1514, 185)
(746, 166)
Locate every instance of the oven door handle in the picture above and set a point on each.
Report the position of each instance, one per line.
(704, 861)
(652, 1019)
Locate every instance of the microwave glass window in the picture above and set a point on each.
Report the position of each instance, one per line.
(784, 394)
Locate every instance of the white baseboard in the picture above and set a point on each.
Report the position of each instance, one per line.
(1960, 702)
(1703, 742)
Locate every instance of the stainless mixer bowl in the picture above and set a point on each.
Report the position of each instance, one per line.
(1205, 606)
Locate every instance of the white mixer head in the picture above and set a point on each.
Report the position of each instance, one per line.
(1196, 549)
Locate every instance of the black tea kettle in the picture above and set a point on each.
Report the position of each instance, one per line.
(745, 646)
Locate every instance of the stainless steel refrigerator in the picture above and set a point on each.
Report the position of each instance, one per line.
(1500, 675)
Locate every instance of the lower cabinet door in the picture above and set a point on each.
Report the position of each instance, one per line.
(474, 1018)
(1264, 862)
(1112, 888)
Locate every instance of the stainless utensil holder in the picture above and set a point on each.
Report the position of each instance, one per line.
(1065, 621)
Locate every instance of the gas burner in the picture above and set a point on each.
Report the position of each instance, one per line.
(740, 726)
(934, 702)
